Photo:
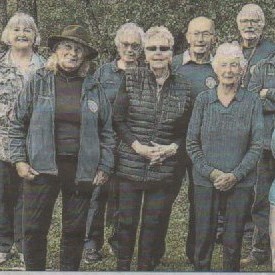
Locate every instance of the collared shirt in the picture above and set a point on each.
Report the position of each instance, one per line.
(12, 81)
(226, 138)
(36, 63)
(201, 77)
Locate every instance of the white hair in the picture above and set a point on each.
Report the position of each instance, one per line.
(229, 50)
(159, 31)
(251, 9)
(20, 18)
(129, 27)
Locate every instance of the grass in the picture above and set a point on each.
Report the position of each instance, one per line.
(174, 259)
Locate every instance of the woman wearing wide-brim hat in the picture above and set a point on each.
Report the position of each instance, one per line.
(67, 119)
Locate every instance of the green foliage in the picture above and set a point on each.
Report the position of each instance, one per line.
(103, 17)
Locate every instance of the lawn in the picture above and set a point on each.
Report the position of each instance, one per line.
(174, 259)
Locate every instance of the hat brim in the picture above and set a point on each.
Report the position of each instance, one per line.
(53, 40)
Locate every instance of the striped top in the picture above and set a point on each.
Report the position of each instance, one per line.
(226, 138)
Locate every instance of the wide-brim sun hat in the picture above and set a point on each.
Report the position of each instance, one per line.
(75, 33)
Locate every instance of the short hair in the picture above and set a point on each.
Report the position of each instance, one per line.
(252, 9)
(20, 18)
(159, 31)
(229, 50)
(202, 18)
(129, 27)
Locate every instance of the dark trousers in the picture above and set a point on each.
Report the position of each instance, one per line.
(39, 199)
(190, 241)
(94, 237)
(11, 204)
(172, 192)
(237, 204)
(153, 210)
(260, 208)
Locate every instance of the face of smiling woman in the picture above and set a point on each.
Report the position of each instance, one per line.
(70, 55)
(21, 37)
(158, 52)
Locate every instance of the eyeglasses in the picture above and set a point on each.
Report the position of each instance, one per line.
(160, 48)
(133, 46)
(250, 21)
(203, 34)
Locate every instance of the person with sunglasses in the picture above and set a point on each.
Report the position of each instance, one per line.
(151, 114)
(129, 44)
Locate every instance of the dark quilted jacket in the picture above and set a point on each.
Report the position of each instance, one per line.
(139, 114)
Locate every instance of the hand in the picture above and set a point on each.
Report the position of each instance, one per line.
(149, 152)
(100, 178)
(215, 174)
(225, 182)
(165, 152)
(263, 93)
(25, 171)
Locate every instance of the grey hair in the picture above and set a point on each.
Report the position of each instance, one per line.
(160, 31)
(229, 50)
(20, 18)
(52, 62)
(129, 27)
(252, 9)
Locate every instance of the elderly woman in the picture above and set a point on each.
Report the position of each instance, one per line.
(61, 139)
(16, 65)
(224, 141)
(150, 116)
(272, 210)
(22, 38)
(129, 44)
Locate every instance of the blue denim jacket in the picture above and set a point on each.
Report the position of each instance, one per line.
(32, 136)
(263, 77)
(110, 77)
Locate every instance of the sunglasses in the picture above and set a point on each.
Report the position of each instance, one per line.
(160, 48)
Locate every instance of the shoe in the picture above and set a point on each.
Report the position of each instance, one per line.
(92, 255)
(4, 257)
(251, 260)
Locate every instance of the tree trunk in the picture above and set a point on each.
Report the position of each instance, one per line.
(28, 6)
(3, 14)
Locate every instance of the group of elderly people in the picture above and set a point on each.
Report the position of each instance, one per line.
(134, 127)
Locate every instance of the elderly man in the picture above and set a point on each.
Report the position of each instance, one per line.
(61, 140)
(195, 65)
(263, 83)
(128, 41)
(251, 22)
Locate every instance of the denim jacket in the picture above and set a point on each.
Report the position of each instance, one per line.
(110, 77)
(263, 77)
(32, 137)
